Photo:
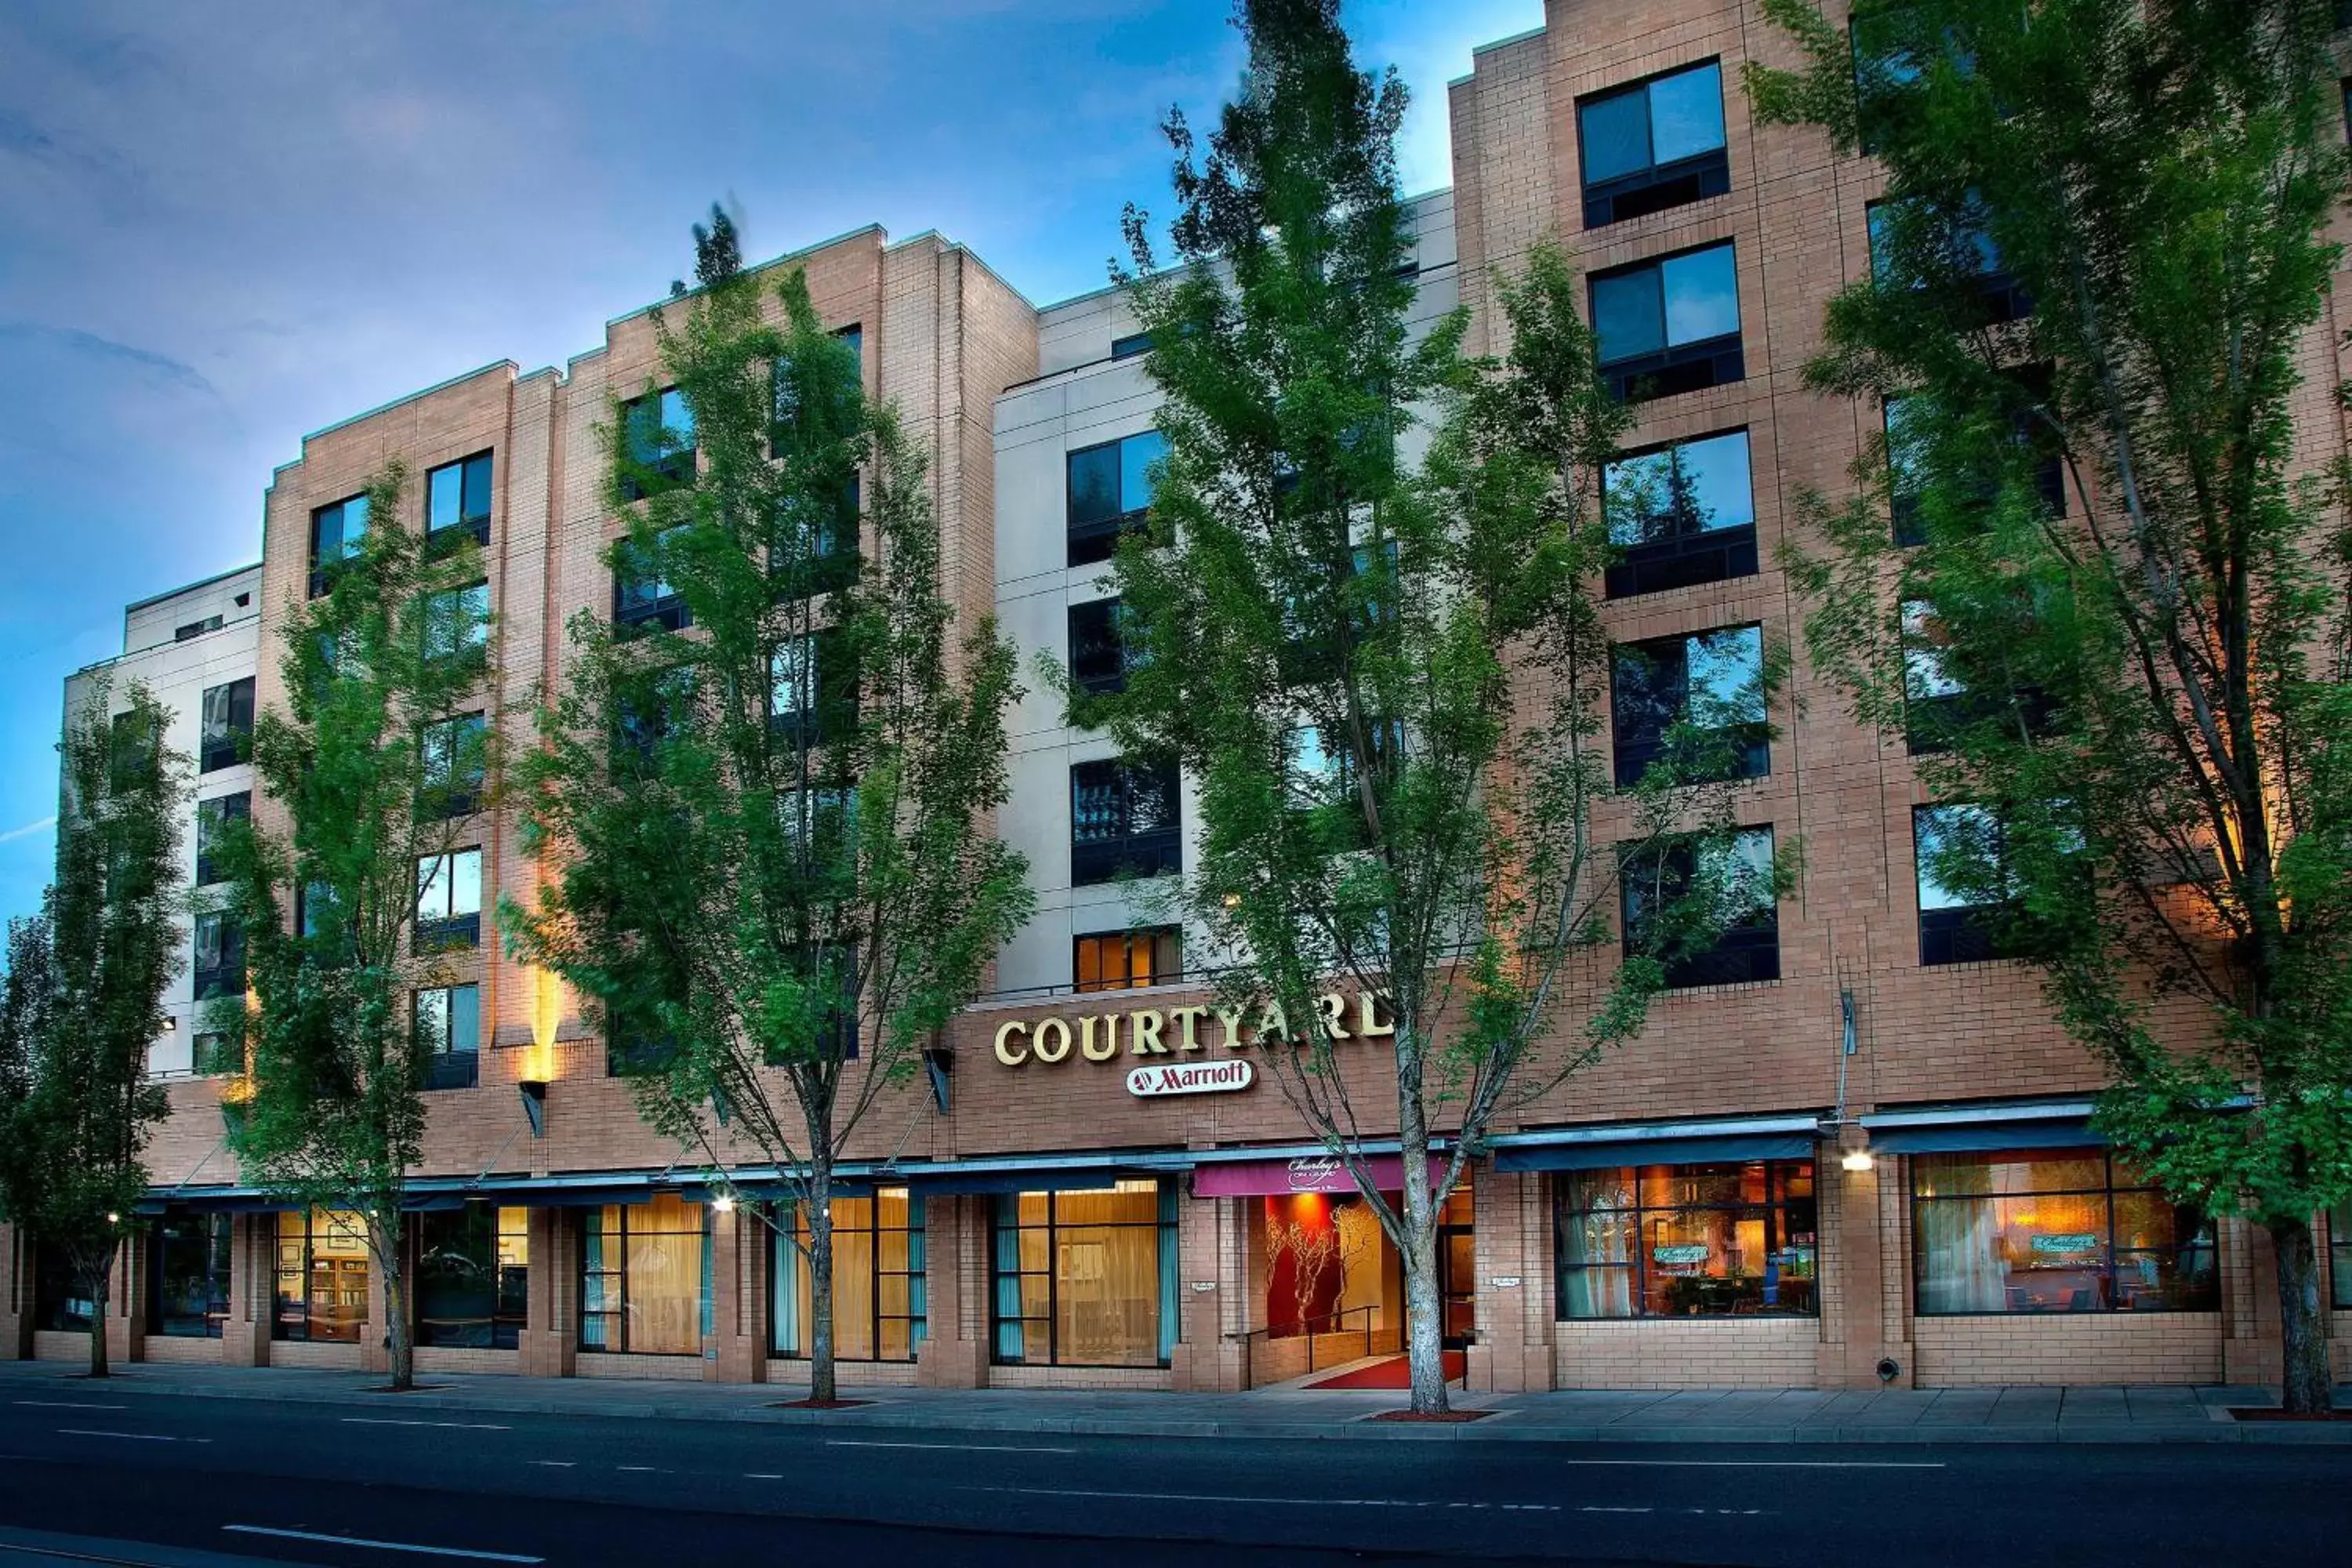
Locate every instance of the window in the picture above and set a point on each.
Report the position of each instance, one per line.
(458, 621)
(2053, 1230)
(1975, 451)
(645, 1278)
(457, 499)
(216, 1056)
(658, 433)
(813, 688)
(1654, 145)
(132, 746)
(642, 596)
(2339, 1254)
(1125, 820)
(449, 899)
(449, 1025)
(188, 1276)
(1086, 1279)
(1938, 704)
(227, 721)
(212, 819)
(1688, 1241)
(322, 1276)
(1130, 346)
(1680, 515)
(219, 966)
(649, 711)
(1118, 959)
(1711, 683)
(1671, 325)
(62, 1302)
(820, 554)
(879, 1285)
(1959, 248)
(473, 1275)
(1706, 909)
(1098, 652)
(1904, 472)
(455, 763)
(1110, 491)
(1954, 927)
(196, 629)
(337, 532)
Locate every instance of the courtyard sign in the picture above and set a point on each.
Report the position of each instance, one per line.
(1182, 1031)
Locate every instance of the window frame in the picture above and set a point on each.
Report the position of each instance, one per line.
(503, 1329)
(447, 1064)
(667, 609)
(1156, 941)
(1151, 852)
(214, 1275)
(617, 1275)
(213, 816)
(283, 1319)
(668, 465)
(1094, 540)
(465, 523)
(225, 976)
(1632, 753)
(1696, 971)
(218, 744)
(347, 545)
(449, 926)
(1693, 364)
(1777, 1205)
(1692, 177)
(785, 1278)
(1098, 661)
(447, 792)
(1163, 1224)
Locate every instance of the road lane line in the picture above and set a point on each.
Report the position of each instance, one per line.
(1768, 1464)
(948, 1448)
(133, 1436)
(760, 1475)
(391, 1421)
(642, 1469)
(1281, 1502)
(556, 1464)
(65, 1405)
(381, 1545)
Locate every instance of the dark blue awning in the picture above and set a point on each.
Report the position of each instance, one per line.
(2066, 1133)
(1594, 1154)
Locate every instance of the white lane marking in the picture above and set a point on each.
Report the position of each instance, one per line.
(948, 1448)
(1768, 1464)
(133, 1436)
(381, 1545)
(556, 1464)
(642, 1469)
(65, 1405)
(760, 1475)
(1418, 1503)
(390, 1421)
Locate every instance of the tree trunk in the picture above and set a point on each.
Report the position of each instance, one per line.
(398, 1340)
(821, 1378)
(100, 1284)
(2302, 1326)
(1424, 1311)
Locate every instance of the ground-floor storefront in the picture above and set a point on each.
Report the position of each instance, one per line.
(1972, 1246)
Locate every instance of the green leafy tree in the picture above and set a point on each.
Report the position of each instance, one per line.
(83, 1000)
(350, 888)
(769, 795)
(2122, 637)
(1386, 680)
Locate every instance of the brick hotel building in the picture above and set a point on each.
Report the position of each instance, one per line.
(1689, 1213)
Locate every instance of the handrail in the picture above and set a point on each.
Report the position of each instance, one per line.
(1305, 1329)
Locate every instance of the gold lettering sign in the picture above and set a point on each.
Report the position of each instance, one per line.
(1180, 1031)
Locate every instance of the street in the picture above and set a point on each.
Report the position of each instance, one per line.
(123, 1471)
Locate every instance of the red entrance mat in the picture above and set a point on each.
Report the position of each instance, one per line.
(1396, 1372)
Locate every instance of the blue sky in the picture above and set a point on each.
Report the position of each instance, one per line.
(222, 225)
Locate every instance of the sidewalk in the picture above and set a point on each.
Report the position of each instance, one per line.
(2071, 1415)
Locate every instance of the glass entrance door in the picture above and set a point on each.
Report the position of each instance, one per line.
(1458, 1272)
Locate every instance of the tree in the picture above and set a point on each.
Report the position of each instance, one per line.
(83, 999)
(1386, 682)
(358, 904)
(2098, 276)
(769, 795)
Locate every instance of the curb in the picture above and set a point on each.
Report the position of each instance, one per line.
(1510, 1423)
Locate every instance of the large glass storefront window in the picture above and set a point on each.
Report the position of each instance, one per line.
(62, 1302)
(473, 1277)
(878, 1294)
(1688, 1241)
(190, 1271)
(645, 1278)
(1086, 1279)
(322, 1276)
(2053, 1230)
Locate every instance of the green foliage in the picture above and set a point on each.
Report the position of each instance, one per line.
(2142, 689)
(776, 875)
(1385, 677)
(326, 881)
(82, 1002)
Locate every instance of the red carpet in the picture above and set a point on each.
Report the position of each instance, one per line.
(1396, 1372)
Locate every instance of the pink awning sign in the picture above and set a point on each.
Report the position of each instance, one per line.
(1307, 1174)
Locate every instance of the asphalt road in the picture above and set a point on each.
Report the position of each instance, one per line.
(110, 1467)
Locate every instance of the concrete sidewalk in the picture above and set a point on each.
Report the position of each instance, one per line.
(2071, 1414)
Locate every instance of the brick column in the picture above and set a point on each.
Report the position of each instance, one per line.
(252, 1263)
(548, 1345)
(126, 1318)
(1854, 1254)
(2252, 1342)
(375, 1351)
(737, 1352)
(1511, 1241)
(955, 1348)
(1205, 1359)
(16, 1295)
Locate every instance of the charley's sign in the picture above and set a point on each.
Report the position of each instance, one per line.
(1182, 1031)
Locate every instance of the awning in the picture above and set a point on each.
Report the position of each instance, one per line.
(1306, 1173)
(1056, 1179)
(2013, 1124)
(1789, 1136)
(1597, 1156)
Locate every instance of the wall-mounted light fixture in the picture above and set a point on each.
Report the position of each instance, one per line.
(1857, 1160)
(534, 1105)
(171, 1025)
(938, 1061)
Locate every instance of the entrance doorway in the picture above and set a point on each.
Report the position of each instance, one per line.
(1458, 1272)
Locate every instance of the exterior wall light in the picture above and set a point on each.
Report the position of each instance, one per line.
(724, 1203)
(1857, 1160)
